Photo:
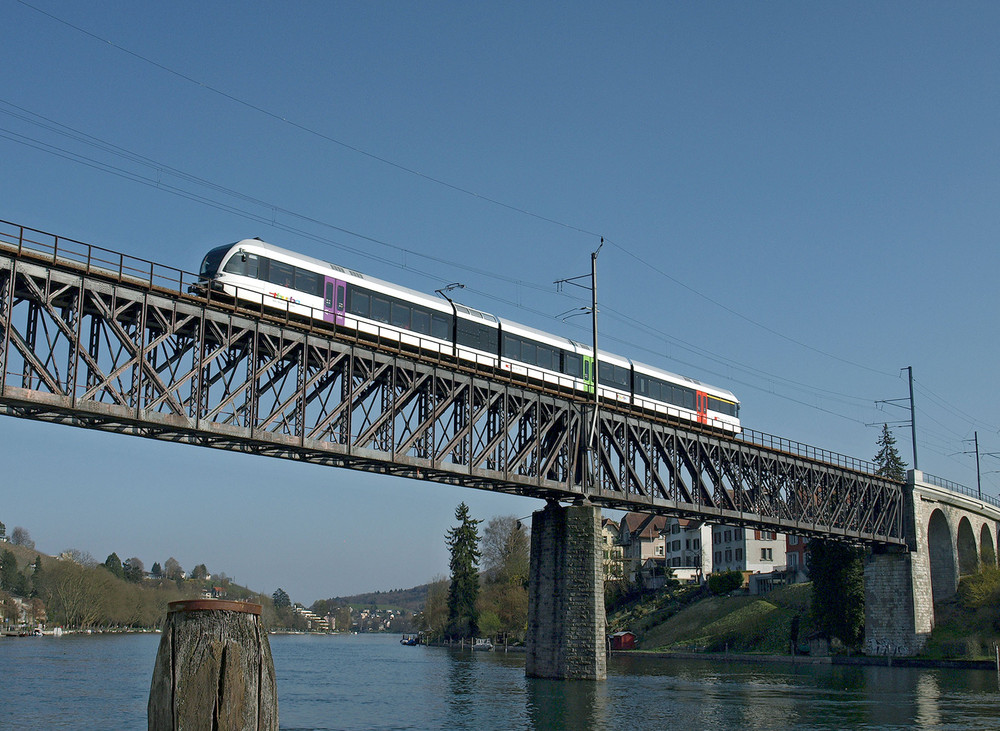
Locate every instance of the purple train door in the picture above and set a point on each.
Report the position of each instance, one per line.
(334, 300)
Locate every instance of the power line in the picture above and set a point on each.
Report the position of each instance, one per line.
(439, 181)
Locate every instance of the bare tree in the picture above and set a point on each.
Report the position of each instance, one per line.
(21, 537)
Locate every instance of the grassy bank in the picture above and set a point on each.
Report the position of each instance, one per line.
(688, 619)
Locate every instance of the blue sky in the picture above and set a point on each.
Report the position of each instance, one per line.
(799, 201)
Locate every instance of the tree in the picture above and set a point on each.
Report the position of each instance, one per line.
(434, 619)
(156, 570)
(199, 572)
(838, 595)
(84, 558)
(887, 461)
(133, 570)
(114, 564)
(505, 551)
(21, 537)
(172, 569)
(463, 542)
(10, 577)
(503, 601)
(281, 599)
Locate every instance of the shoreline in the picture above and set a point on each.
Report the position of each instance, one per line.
(859, 660)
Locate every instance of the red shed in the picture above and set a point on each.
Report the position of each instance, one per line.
(623, 640)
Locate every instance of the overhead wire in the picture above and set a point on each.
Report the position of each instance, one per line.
(111, 169)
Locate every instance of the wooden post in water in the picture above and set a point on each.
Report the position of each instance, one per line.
(213, 669)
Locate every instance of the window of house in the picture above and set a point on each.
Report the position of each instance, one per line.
(659, 550)
(729, 535)
(766, 554)
(739, 554)
(793, 540)
(729, 556)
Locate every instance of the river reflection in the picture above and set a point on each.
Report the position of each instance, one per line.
(373, 682)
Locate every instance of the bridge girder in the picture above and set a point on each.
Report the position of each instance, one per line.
(83, 347)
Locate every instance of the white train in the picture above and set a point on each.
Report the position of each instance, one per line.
(258, 272)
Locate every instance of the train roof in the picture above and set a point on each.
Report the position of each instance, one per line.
(412, 293)
(479, 314)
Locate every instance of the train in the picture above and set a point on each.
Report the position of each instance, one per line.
(252, 270)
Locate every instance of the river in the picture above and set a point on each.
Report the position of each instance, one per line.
(373, 682)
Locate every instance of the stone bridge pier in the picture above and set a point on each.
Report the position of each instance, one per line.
(566, 634)
(951, 532)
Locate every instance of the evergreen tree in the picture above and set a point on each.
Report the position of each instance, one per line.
(838, 594)
(156, 570)
(114, 564)
(281, 599)
(887, 460)
(463, 542)
(133, 570)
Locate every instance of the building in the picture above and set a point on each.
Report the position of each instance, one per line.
(747, 550)
(641, 538)
(686, 549)
(796, 558)
(612, 550)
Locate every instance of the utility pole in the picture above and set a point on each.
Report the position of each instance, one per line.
(592, 430)
(913, 419)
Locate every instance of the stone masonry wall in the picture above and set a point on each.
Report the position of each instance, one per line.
(566, 632)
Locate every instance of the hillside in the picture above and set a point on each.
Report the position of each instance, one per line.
(738, 624)
(410, 600)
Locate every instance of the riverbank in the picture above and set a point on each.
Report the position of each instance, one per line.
(859, 660)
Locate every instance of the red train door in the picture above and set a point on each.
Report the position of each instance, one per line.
(701, 402)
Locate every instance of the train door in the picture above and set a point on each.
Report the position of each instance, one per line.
(334, 300)
(701, 402)
(588, 373)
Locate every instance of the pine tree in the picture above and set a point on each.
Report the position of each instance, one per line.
(887, 460)
(463, 542)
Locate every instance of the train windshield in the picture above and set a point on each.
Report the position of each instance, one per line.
(210, 264)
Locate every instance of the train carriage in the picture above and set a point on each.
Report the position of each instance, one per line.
(254, 271)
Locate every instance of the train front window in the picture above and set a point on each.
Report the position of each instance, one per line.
(210, 264)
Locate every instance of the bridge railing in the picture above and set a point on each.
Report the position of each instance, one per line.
(788, 446)
(93, 259)
(961, 489)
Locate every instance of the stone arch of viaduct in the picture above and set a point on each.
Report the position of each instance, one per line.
(951, 533)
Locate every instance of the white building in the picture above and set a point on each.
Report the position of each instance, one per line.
(747, 550)
(687, 549)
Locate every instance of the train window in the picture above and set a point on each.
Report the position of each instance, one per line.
(360, 302)
(440, 327)
(400, 315)
(281, 274)
(236, 265)
(547, 357)
(572, 364)
(328, 300)
(421, 321)
(380, 308)
(511, 347)
(529, 353)
(308, 282)
(210, 264)
(251, 265)
(474, 335)
(642, 385)
(613, 375)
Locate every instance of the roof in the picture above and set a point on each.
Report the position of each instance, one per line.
(643, 525)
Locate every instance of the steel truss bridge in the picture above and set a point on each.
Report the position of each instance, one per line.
(97, 339)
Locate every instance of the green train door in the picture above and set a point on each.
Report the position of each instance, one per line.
(588, 373)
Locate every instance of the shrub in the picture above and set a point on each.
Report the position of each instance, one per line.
(725, 582)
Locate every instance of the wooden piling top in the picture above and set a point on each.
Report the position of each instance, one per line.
(204, 605)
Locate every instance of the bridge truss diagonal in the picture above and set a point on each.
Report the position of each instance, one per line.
(84, 347)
